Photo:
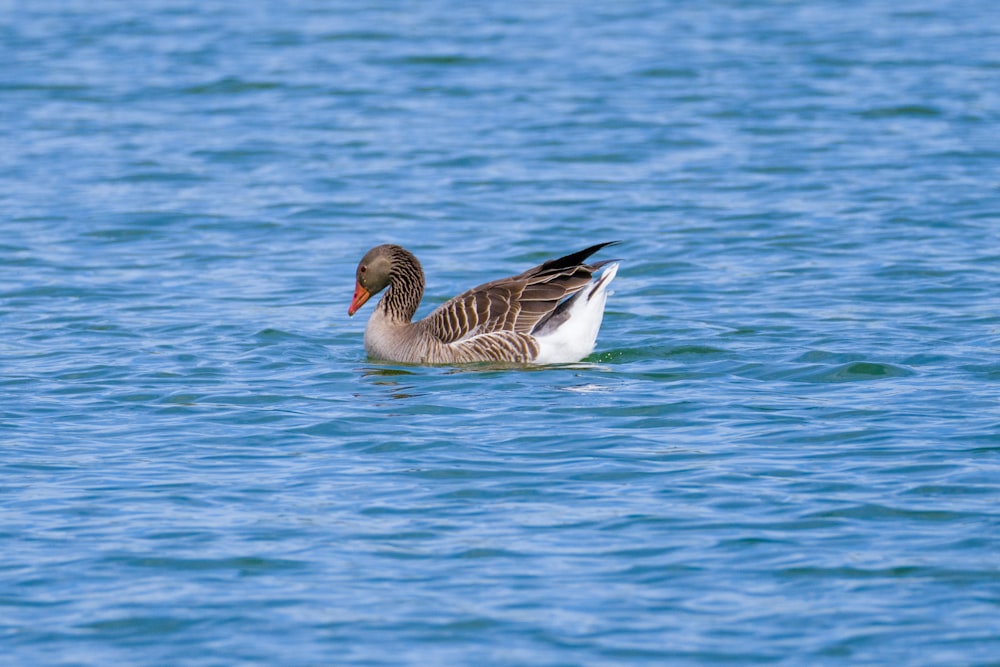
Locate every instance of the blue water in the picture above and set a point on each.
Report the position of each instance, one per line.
(785, 449)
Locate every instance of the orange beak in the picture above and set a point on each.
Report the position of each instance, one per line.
(360, 296)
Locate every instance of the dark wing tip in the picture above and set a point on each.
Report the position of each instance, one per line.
(576, 258)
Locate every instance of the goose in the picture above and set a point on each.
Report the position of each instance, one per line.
(550, 314)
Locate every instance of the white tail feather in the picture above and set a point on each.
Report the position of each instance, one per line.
(575, 338)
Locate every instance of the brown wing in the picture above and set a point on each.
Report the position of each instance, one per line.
(516, 303)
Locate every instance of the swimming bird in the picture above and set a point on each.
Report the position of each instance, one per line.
(549, 314)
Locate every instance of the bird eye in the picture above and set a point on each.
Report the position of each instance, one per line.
(363, 269)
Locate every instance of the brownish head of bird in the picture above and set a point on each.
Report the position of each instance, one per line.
(375, 272)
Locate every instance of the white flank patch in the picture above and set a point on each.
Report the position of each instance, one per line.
(575, 338)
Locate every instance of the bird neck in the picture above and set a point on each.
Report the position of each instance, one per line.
(406, 286)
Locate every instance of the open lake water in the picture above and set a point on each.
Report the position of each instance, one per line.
(785, 449)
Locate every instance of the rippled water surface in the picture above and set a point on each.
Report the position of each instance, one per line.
(785, 449)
